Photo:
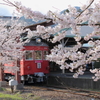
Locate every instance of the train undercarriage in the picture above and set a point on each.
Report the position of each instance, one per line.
(38, 77)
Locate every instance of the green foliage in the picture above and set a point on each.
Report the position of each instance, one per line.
(2, 89)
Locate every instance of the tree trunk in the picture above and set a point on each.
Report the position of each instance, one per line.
(17, 75)
(1, 74)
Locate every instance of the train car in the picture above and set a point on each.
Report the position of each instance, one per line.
(33, 66)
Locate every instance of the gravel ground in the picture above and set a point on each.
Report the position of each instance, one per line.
(41, 94)
(31, 93)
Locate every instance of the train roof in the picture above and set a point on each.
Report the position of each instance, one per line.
(34, 43)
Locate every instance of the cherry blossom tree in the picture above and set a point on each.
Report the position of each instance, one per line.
(72, 19)
(11, 44)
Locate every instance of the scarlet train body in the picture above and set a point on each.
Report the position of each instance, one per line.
(33, 66)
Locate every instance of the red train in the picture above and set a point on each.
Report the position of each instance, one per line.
(33, 66)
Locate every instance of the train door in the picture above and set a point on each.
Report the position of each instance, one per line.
(44, 54)
(38, 59)
(45, 62)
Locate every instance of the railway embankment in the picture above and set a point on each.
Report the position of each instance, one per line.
(66, 80)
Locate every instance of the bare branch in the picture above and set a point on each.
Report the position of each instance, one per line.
(87, 24)
(85, 9)
(5, 4)
(9, 3)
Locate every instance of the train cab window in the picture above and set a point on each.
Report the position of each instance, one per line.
(28, 55)
(44, 55)
(38, 55)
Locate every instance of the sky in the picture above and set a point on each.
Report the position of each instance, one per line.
(42, 5)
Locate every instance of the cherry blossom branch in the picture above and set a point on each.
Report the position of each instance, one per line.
(55, 15)
(63, 24)
(79, 13)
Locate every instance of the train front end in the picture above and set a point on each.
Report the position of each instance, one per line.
(34, 67)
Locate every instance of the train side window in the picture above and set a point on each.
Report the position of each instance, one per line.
(28, 55)
(38, 55)
(44, 55)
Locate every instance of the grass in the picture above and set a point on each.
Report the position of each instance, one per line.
(18, 95)
(10, 97)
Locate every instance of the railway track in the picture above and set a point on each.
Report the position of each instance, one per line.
(82, 92)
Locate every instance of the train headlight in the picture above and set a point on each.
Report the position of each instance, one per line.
(38, 40)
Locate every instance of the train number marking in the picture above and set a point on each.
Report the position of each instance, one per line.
(38, 65)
